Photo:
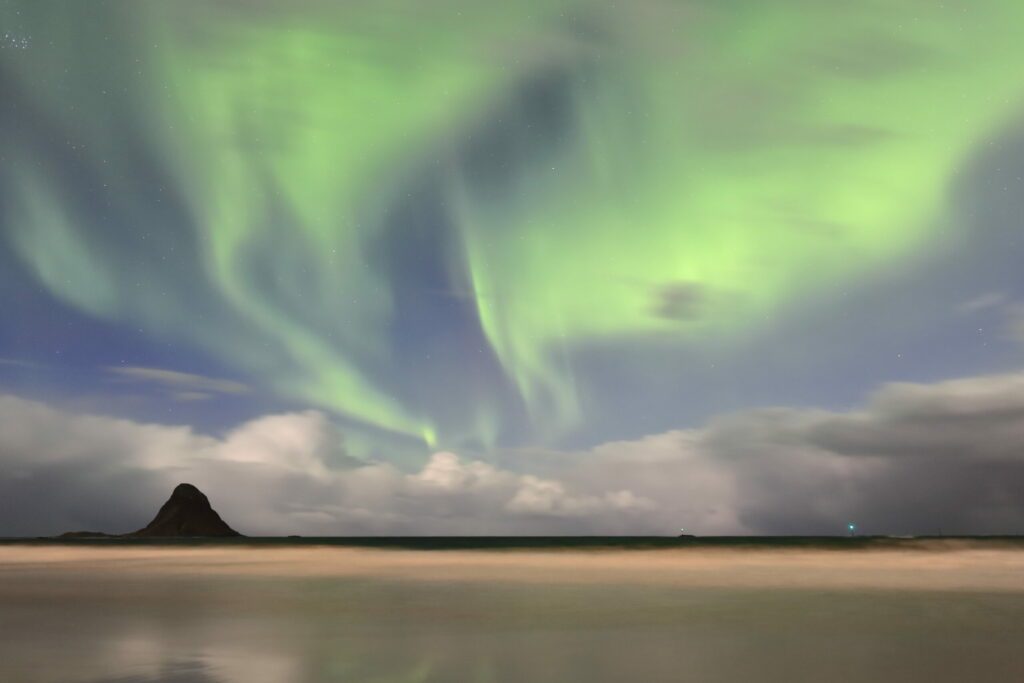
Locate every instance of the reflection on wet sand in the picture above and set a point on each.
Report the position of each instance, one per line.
(313, 614)
(172, 672)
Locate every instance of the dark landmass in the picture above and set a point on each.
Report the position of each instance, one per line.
(187, 513)
(187, 518)
(555, 543)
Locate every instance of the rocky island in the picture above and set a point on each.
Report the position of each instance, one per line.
(186, 514)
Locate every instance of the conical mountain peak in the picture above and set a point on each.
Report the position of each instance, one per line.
(187, 513)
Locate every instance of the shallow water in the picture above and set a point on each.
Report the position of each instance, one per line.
(305, 615)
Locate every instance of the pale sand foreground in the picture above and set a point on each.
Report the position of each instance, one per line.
(943, 613)
(941, 566)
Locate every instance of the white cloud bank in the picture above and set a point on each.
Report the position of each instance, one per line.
(919, 458)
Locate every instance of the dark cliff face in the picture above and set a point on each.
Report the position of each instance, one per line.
(187, 513)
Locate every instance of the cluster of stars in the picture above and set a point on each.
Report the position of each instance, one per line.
(15, 42)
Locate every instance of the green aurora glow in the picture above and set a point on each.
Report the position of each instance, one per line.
(705, 165)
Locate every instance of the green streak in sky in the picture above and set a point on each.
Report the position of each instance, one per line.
(310, 123)
(747, 155)
(718, 163)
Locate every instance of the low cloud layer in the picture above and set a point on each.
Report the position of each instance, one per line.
(917, 459)
(274, 475)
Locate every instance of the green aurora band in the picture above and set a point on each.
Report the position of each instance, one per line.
(722, 162)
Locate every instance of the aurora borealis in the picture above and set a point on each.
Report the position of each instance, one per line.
(477, 226)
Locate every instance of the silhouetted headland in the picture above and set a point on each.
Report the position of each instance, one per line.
(72, 535)
(186, 514)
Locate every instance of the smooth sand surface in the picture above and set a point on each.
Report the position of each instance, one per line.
(941, 612)
(940, 566)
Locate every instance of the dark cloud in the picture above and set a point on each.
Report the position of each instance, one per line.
(682, 301)
(920, 458)
(183, 385)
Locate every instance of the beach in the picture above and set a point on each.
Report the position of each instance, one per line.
(103, 613)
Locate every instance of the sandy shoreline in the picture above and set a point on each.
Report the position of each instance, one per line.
(318, 614)
(952, 568)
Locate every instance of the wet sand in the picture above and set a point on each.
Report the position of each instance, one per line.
(224, 614)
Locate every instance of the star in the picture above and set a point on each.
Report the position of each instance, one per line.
(13, 41)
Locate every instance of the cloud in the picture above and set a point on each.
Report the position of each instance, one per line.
(1015, 323)
(682, 301)
(277, 474)
(917, 458)
(877, 56)
(184, 386)
(18, 363)
(1010, 312)
(191, 396)
(982, 302)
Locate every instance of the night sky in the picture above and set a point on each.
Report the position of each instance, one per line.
(548, 266)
